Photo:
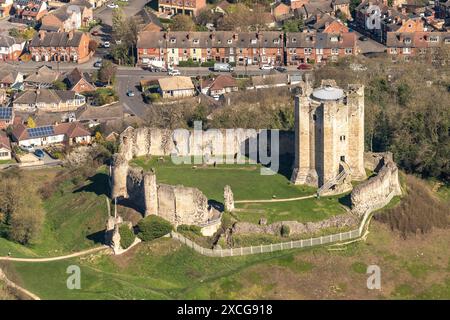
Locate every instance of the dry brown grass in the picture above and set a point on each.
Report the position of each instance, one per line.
(419, 212)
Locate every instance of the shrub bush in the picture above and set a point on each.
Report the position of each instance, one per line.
(126, 236)
(285, 231)
(153, 227)
(189, 228)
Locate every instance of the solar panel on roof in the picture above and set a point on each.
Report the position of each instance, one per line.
(40, 131)
(5, 113)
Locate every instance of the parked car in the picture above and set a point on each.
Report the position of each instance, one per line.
(174, 72)
(98, 64)
(304, 66)
(27, 148)
(363, 38)
(112, 5)
(218, 67)
(106, 44)
(130, 93)
(281, 69)
(95, 33)
(39, 153)
(99, 84)
(266, 67)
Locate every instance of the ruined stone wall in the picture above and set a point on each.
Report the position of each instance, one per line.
(375, 192)
(177, 204)
(162, 142)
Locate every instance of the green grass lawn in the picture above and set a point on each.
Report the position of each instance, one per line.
(306, 210)
(245, 180)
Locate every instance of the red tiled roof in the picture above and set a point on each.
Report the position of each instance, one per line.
(4, 142)
(72, 130)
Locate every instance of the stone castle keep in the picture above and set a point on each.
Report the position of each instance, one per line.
(329, 154)
(329, 135)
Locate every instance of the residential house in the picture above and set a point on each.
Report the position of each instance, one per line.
(78, 81)
(5, 147)
(443, 11)
(10, 48)
(220, 85)
(242, 48)
(60, 46)
(281, 11)
(189, 7)
(70, 17)
(222, 7)
(67, 133)
(94, 3)
(148, 21)
(269, 81)
(96, 115)
(5, 8)
(311, 46)
(43, 77)
(333, 7)
(48, 100)
(10, 77)
(409, 44)
(176, 87)
(377, 24)
(297, 4)
(29, 11)
(6, 117)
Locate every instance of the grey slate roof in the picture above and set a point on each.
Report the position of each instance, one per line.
(56, 39)
(218, 39)
(44, 96)
(7, 41)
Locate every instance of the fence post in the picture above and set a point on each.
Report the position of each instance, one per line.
(251, 249)
(301, 243)
(261, 248)
(271, 247)
(320, 239)
(292, 244)
(340, 236)
(231, 251)
(242, 251)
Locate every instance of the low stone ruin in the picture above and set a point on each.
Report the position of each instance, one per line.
(377, 191)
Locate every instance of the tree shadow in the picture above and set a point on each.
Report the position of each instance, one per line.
(216, 205)
(346, 200)
(97, 237)
(99, 184)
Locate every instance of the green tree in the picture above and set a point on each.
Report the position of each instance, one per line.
(153, 227)
(107, 72)
(21, 208)
(183, 22)
(126, 236)
(59, 85)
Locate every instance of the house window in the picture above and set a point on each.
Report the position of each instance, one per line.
(434, 38)
(348, 50)
(196, 41)
(342, 138)
(319, 51)
(334, 39)
(335, 51)
(231, 50)
(173, 40)
(230, 41)
(406, 50)
(253, 41)
(4, 154)
(308, 50)
(393, 50)
(173, 51)
(294, 40)
(407, 41)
